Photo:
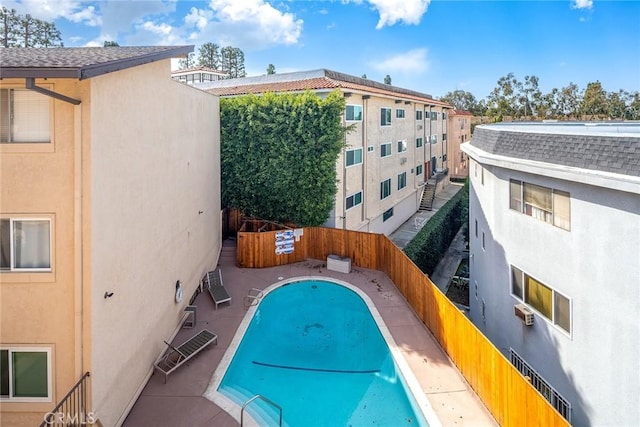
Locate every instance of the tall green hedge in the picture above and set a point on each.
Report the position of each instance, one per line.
(278, 155)
(427, 248)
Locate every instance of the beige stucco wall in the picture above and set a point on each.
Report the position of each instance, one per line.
(155, 219)
(374, 169)
(459, 132)
(41, 309)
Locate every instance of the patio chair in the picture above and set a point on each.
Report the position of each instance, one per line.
(213, 282)
(253, 297)
(175, 357)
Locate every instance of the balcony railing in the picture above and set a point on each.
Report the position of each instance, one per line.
(72, 409)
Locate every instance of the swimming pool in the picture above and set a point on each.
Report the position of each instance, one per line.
(314, 348)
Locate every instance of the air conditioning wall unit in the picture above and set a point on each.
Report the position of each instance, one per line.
(524, 313)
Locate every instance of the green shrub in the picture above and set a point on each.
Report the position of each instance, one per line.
(427, 248)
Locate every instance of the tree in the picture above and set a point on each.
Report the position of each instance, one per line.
(188, 61)
(279, 153)
(531, 96)
(9, 27)
(387, 79)
(569, 101)
(209, 56)
(271, 69)
(594, 101)
(616, 104)
(633, 106)
(26, 31)
(111, 44)
(364, 76)
(461, 100)
(232, 61)
(503, 99)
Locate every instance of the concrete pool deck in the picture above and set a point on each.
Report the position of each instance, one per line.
(180, 402)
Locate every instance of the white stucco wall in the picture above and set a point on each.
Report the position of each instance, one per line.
(596, 264)
(155, 219)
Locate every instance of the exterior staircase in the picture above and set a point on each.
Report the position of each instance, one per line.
(428, 195)
(228, 254)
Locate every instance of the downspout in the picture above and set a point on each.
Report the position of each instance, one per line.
(78, 242)
(365, 155)
(431, 172)
(30, 83)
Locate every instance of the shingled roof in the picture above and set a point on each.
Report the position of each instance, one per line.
(602, 147)
(313, 80)
(80, 62)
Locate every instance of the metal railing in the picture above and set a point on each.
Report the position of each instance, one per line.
(259, 396)
(72, 409)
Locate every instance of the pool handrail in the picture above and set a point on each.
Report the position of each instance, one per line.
(259, 396)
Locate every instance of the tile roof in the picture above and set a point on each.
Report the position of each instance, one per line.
(461, 113)
(80, 62)
(606, 148)
(314, 80)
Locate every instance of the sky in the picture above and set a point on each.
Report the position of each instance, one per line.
(430, 46)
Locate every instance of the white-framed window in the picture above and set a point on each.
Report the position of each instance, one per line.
(25, 244)
(353, 113)
(25, 374)
(444, 115)
(434, 115)
(385, 149)
(385, 188)
(25, 116)
(543, 203)
(419, 115)
(550, 303)
(444, 136)
(483, 247)
(402, 180)
(400, 113)
(419, 170)
(418, 142)
(387, 214)
(402, 146)
(370, 149)
(385, 116)
(353, 157)
(434, 139)
(353, 200)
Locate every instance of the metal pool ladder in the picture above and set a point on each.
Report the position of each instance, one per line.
(259, 396)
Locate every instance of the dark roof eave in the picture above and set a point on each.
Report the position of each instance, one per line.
(93, 70)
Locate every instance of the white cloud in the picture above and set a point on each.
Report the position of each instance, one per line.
(252, 23)
(198, 18)
(50, 10)
(581, 4)
(407, 11)
(412, 62)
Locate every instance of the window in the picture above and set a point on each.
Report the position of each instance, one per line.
(545, 204)
(418, 142)
(434, 115)
(402, 180)
(419, 170)
(399, 113)
(387, 214)
(385, 117)
(419, 115)
(483, 247)
(444, 116)
(385, 189)
(540, 384)
(354, 157)
(385, 150)
(476, 228)
(370, 149)
(25, 374)
(434, 139)
(545, 300)
(402, 146)
(353, 113)
(25, 244)
(353, 200)
(24, 116)
(444, 136)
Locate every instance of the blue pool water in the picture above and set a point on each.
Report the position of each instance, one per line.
(314, 348)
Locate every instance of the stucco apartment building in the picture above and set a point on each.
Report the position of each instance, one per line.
(196, 75)
(398, 142)
(108, 204)
(459, 133)
(555, 260)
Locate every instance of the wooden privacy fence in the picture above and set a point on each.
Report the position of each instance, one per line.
(511, 399)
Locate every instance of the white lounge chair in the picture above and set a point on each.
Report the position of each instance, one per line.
(212, 281)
